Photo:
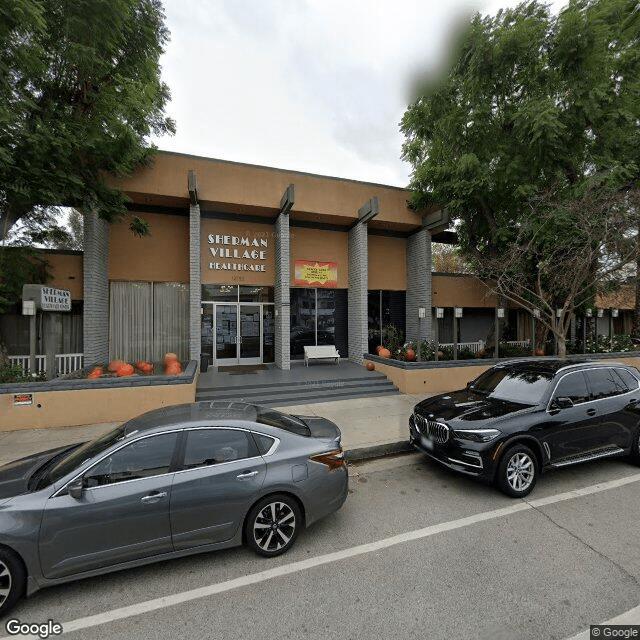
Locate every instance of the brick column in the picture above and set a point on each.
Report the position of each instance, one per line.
(358, 290)
(95, 265)
(281, 292)
(195, 281)
(419, 285)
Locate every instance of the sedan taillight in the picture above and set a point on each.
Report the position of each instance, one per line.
(333, 459)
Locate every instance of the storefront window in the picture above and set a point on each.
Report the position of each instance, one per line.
(220, 293)
(318, 316)
(386, 313)
(256, 294)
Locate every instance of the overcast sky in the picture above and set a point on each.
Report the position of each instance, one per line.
(310, 85)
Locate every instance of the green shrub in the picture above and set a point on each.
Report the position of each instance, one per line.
(15, 373)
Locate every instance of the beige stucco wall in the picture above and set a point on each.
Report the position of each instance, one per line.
(461, 291)
(233, 187)
(387, 263)
(321, 245)
(66, 271)
(90, 406)
(443, 379)
(242, 230)
(160, 256)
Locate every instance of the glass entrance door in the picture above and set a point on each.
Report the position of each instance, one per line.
(226, 332)
(250, 334)
(232, 333)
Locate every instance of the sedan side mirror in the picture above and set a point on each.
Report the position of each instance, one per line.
(562, 403)
(76, 488)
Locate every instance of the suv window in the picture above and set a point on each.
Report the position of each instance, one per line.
(213, 446)
(142, 458)
(605, 383)
(573, 386)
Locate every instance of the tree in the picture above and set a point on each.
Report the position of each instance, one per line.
(447, 259)
(80, 92)
(533, 105)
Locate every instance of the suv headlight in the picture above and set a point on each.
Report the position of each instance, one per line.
(478, 435)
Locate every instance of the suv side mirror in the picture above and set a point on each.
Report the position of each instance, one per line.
(562, 403)
(76, 488)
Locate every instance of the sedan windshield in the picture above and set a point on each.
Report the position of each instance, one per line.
(76, 457)
(525, 387)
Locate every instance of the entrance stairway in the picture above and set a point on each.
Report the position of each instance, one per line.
(300, 385)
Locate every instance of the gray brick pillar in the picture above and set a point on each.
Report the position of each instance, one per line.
(358, 289)
(194, 282)
(281, 292)
(419, 285)
(95, 266)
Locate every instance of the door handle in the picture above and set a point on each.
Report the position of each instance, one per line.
(247, 474)
(153, 497)
(633, 401)
(591, 412)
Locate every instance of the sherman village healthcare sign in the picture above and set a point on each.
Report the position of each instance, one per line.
(237, 253)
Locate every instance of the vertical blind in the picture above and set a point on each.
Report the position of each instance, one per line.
(148, 319)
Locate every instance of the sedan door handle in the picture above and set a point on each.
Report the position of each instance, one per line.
(154, 497)
(591, 412)
(247, 474)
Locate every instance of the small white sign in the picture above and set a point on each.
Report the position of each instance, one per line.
(55, 299)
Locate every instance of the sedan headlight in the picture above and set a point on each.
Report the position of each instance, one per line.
(478, 435)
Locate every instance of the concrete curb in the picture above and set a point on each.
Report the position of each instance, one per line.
(377, 451)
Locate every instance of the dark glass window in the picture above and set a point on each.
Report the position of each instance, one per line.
(213, 446)
(256, 294)
(630, 381)
(526, 387)
(264, 442)
(141, 459)
(605, 383)
(219, 293)
(573, 386)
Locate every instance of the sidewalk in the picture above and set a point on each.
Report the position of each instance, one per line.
(371, 427)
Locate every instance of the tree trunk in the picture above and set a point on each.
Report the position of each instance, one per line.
(635, 331)
(562, 346)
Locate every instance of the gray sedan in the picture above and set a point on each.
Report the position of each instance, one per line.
(172, 482)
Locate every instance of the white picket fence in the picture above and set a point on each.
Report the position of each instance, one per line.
(480, 344)
(65, 362)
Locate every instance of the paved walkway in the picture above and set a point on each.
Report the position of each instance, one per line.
(370, 427)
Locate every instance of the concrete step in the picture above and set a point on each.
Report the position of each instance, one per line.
(305, 392)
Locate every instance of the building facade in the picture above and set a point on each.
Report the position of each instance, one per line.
(248, 264)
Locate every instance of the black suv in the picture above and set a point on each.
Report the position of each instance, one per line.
(522, 417)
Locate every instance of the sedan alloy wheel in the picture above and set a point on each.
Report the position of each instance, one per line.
(12, 580)
(273, 525)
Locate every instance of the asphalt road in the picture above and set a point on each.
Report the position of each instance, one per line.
(416, 552)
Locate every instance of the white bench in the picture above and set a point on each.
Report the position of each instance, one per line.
(320, 353)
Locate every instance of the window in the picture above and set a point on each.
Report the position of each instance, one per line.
(213, 446)
(142, 458)
(605, 383)
(628, 378)
(574, 387)
(264, 443)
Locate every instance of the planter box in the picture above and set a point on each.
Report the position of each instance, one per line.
(66, 403)
(428, 378)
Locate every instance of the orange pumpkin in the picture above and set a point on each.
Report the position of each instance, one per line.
(144, 367)
(384, 352)
(370, 366)
(96, 372)
(410, 355)
(169, 356)
(539, 352)
(124, 370)
(114, 364)
(172, 368)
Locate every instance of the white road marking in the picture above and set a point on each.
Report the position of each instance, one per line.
(304, 565)
(630, 617)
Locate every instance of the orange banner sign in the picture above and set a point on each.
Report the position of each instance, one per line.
(311, 273)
